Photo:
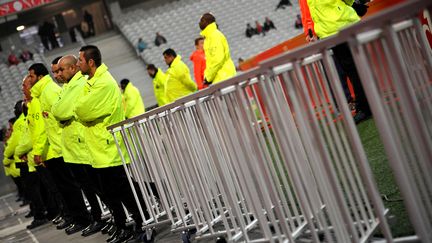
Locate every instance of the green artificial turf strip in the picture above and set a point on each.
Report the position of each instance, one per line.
(384, 177)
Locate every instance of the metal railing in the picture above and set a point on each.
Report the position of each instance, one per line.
(274, 154)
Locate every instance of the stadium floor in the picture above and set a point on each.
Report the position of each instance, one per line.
(13, 228)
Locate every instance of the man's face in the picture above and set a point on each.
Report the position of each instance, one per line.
(33, 78)
(82, 63)
(151, 73)
(66, 71)
(200, 45)
(26, 88)
(55, 71)
(168, 59)
(202, 23)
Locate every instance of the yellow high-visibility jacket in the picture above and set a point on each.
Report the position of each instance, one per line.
(329, 16)
(74, 148)
(219, 65)
(159, 86)
(101, 106)
(47, 91)
(14, 139)
(179, 82)
(134, 104)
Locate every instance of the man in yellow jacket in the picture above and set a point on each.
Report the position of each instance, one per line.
(98, 107)
(159, 83)
(219, 65)
(133, 102)
(45, 90)
(75, 151)
(33, 143)
(9, 161)
(13, 142)
(179, 82)
(329, 16)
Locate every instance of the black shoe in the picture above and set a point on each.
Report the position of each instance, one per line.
(57, 220)
(29, 215)
(361, 116)
(73, 228)
(36, 223)
(113, 236)
(93, 228)
(123, 235)
(112, 230)
(64, 224)
(24, 203)
(106, 228)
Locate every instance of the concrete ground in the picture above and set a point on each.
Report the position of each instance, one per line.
(13, 228)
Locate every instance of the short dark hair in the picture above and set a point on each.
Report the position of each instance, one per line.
(210, 18)
(124, 81)
(170, 52)
(197, 40)
(151, 67)
(12, 120)
(92, 52)
(55, 61)
(39, 69)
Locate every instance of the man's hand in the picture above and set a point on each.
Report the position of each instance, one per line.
(206, 82)
(311, 39)
(38, 159)
(45, 114)
(24, 157)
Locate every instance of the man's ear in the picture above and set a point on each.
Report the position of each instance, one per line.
(40, 77)
(91, 63)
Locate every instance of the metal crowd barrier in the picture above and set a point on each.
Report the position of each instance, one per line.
(281, 168)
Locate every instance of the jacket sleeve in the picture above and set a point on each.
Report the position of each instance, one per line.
(62, 110)
(93, 105)
(130, 100)
(215, 57)
(40, 135)
(25, 144)
(187, 81)
(13, 141)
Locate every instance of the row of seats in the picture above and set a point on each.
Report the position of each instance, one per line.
(178, 22)
(10, 83)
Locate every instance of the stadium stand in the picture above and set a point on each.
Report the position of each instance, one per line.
(178, 22)
(10, 83)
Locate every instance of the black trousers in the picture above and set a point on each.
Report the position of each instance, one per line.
(82, 175)
(23, 174)
(74, 208)
(115, 185)
(19, 184)
(344, 57)
(33, 183)
(53, 199)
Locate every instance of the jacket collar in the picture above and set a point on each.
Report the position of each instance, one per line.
(209, 29)
(76, 77)
(40, 85)
(176, 60)
(99, 71)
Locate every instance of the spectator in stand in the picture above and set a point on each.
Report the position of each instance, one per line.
(159, 83)
(142, 45)
(199, 62)
(219, 65)
(283, 3)
(42, 32)
(84, 29)
(327, 23)
(298, 23)
(159, 40)
(88, 18)
(179, 82)
(268, 24)
(13, 59)
(259, 28)
(26, 55)
(50, 33)
(250, 31)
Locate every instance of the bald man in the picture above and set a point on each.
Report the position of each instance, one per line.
(75, 152)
